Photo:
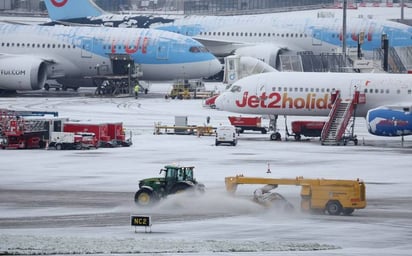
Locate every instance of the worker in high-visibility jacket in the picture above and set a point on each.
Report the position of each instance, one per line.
(136, 90)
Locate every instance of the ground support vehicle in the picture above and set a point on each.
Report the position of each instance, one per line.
(307, 129)
(317, 195)
(226, 134)
(107, 134)
(176, 179)
(211, 102)
(69, 140)
(185, 89)
(243, 123)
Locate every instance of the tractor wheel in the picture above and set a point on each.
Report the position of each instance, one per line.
(179, 188)
(144, 197)
(334, 208)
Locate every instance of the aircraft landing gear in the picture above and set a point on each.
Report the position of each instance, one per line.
(273, 126)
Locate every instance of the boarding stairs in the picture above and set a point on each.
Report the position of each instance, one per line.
(342, 112)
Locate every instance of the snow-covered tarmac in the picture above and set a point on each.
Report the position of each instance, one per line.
(80, 202)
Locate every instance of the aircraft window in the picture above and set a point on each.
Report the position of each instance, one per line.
(322, 90)
(301, 35)
(233, 33)
(282, 35)
(365, 90)
(237, 34)
(296, 89)
(398, 91)
(371, 91)
(214, 33)
(58, 46)
(18, 45)
(409, 91)
(291, 35)
(194, 49)
(241, 33)
(382, 91)
(235, 88)
(53, 46)
(12, 44)
(296, 35)
(327, 90)
(38, 45)
(301, 89)
(264, 34)
(306, 89)
(376, 90)
(311, 89)
(43, 45)
(255, 34)
(285, 89)
(48, 45)
(317, 90)
(287, 34)
(63, 46)
(260, 34)
(223, 33)
(291, 89)
(277, 34)
(68, 46)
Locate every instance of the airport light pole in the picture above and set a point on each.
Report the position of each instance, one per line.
(345, 6)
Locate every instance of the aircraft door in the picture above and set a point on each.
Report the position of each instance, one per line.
(163, 50)
(356, 85)
(316, 37)
(87, 47)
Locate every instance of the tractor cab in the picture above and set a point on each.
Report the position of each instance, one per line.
(176, 179)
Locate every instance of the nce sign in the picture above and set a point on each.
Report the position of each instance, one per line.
(142, 221)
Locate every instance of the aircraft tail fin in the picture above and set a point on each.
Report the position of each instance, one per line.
(71, 9)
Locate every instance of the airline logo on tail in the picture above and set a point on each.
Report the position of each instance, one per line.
(59, 3)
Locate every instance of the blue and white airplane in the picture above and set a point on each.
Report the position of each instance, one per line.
(31, 54)
(387, 107)
(264, 36)
(86, 12)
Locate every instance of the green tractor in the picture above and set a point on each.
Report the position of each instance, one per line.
(176, 179)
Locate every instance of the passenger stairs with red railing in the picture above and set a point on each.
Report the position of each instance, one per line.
(341, 114)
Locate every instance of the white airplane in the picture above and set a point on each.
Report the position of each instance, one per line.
(30, 54)
(386, 104)
(262, 36)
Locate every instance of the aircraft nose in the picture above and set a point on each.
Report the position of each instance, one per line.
(214, 66)
(219, 102)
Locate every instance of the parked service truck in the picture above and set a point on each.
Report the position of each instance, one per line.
(69, 140)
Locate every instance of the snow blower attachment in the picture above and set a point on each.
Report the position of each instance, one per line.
(317, 195)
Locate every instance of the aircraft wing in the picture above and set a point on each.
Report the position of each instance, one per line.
(223, 48)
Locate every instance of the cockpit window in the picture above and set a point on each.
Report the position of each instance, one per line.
(235, 88)
(196, 49)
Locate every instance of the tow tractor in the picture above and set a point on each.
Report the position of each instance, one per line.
(317, 195)
(176, 179)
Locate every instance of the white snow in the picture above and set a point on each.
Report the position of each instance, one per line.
(214, 222)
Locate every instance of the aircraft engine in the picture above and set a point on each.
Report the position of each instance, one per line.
(267, 53)
(22, 73)
(390, 122)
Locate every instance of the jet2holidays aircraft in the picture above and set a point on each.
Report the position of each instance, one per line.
(31, 54)
(386, 98)
(262, 36)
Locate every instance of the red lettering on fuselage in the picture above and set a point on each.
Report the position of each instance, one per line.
(277, 100)
(59, 3)
(131, 50)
